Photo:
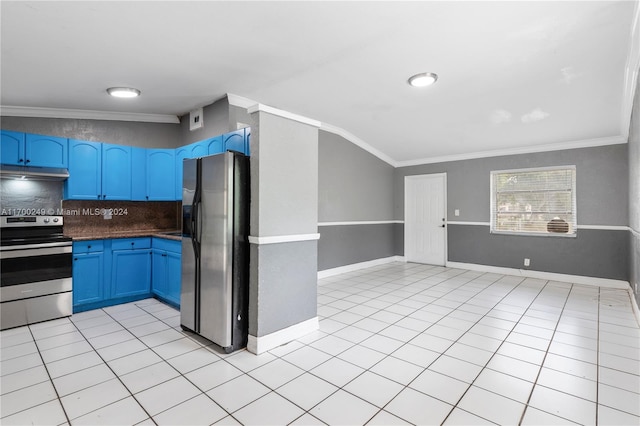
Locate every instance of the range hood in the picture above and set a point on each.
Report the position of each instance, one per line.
(33, 173)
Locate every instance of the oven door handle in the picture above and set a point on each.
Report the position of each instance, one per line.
(35, 246)
(34, 252)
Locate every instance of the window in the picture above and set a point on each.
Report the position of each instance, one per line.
(534, 201)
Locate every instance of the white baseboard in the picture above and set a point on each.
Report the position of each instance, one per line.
(576, 279)
(357, 266)
(258, 345)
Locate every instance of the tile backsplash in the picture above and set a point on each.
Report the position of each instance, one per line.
(87, 218)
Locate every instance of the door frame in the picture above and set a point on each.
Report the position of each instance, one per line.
(446, 221)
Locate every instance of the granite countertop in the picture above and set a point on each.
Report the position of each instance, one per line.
(100, 235)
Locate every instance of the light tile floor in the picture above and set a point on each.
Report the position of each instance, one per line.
(398, 344)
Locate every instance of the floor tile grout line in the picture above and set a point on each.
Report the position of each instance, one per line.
(171, 366)
(116, 375)
(64, 410)
(527, 405)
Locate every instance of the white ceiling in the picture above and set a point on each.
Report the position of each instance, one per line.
(513, 76)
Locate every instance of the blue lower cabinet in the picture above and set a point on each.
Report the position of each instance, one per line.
(111, 271)
(166, 270)
(88, 278)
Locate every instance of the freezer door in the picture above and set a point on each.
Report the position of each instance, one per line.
(216, 274)
(189, 262)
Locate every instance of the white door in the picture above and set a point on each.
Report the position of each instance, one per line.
(425, 233)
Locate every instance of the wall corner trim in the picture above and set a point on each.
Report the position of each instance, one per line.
(552, 276)
(283, 239)
(357, 266)
(81, 114)
(258, 345)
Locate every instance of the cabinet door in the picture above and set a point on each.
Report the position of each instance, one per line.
(116, 172)
(214, 145)
(88, 282)
(234, 141)
(138, 174)
(247, 138)
(12, 148)
(159, 273)
(181, 155)
(161, 175)
(130, 273)
(174, 276)
(46, 151)
(85, 171)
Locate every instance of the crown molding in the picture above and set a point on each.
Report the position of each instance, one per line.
(586, 143)
(18, 111)
(359, 142)
(631, 73)
(282, 113)
(239, 101)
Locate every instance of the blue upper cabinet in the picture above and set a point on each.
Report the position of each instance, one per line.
(12, 148)
(98, 171)
(116, 172)
(194, 150)
(46, 151)
(247, 138)
(161, 174)
(234, 141)
(138, 174)
(214, 145)
(85, 171)
(33, 150)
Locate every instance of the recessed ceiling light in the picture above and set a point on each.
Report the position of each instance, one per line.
(423, 79)
(123, 92)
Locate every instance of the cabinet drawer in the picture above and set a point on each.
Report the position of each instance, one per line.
(131, 243)
(168, 245)
(88, 246)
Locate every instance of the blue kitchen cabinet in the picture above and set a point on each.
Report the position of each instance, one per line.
(46, 151)
(234, 141)
(116, 172)
(247, 138)
(130, 267)
(26, 149)
(161, 174)
(98, 171)
(88, 274)
(85, 171)
(194, 150)
(12, 148)
(214, 145)
(166, 272)
(138, 174)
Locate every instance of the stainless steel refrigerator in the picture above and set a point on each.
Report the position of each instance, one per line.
(215, 258)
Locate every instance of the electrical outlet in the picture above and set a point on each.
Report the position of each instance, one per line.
(456, 212)
(527, 261)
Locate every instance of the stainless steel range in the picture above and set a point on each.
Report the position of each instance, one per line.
(35, 274)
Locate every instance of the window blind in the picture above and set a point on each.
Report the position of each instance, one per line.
(534, 201)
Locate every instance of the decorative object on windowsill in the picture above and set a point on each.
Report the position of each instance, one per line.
(557, 226)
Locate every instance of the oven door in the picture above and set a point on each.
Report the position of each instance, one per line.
(36, 283)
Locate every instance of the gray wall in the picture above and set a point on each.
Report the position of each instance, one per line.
(216, 122)
(634, 195)
(284, 202)
(148, 135)
(601, 195)
(353, 185)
